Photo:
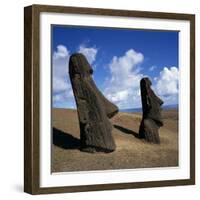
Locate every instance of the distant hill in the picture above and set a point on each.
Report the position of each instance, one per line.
(167, 107)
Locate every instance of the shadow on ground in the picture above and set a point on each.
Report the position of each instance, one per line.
(65, 140)
(125, 130)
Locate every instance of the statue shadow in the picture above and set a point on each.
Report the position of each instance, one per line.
(65, 140)
(126, 130)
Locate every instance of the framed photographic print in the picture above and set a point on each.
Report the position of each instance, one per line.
(109, 99)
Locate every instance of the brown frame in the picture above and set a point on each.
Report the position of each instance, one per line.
(32, 105)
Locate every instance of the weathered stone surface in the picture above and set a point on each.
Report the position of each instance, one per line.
(152, 118)
(93, 108)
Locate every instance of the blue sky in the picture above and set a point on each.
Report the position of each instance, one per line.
(120, 58)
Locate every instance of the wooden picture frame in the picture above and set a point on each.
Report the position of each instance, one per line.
(32, 98)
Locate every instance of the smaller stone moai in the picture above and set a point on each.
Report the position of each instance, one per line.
(152, 118)
(94, 110)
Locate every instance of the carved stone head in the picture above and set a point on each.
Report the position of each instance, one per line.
(151, 103)
(79, 65)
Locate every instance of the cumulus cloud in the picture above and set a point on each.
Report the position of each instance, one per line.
(123, 87)
(62, 90)
(167, 84)
(89, 52)
(62, 52)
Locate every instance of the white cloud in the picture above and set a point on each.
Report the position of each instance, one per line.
(167, 82)
(61, 52)
(118, 96)
(62, 89)
(167, 85)
(123, 87)
(89, 52)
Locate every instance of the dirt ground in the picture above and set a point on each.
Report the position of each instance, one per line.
(131, 152)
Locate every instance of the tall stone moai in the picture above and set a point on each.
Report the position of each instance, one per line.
(152, 118)
(94, 110)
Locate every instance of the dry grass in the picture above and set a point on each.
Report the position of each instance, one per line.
(131, 152)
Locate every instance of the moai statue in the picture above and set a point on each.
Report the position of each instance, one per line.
(94, 110)
(151, 106)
